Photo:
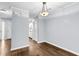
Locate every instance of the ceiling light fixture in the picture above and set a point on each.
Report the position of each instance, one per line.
(44, 11)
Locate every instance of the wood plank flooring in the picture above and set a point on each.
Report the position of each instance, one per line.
(41, 49)
(7, 46)
(20, 52)
(36, 49)
(46, 49)
(55, 51)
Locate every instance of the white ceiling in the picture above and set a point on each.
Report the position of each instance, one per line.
(31, 6)
(35, 7)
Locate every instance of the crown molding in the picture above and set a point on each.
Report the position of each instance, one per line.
(20, 12)
(64, 10)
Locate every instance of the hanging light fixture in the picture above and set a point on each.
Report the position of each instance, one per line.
(44, 11)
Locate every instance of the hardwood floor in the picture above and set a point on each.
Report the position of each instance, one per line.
(20, 52)
(55, 51)
(41, 49)
(36, 49)
(6, 47)
(46, 49)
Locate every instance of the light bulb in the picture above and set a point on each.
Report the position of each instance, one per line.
(45, 13)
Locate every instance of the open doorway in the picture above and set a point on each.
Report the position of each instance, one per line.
(33, 29)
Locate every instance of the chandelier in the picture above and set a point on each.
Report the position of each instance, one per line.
(44, 11)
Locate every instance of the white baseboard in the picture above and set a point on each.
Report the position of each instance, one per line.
(19, 47)
(51, 44)
(60, 47)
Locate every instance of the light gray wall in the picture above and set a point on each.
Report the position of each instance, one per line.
(41, 30)
(64, 31)
(0, 30)
(20, 30)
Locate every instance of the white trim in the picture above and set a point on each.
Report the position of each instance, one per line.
(51, 44)
(3, 30)
(20, 12)
(60, 47)
(19, 47)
